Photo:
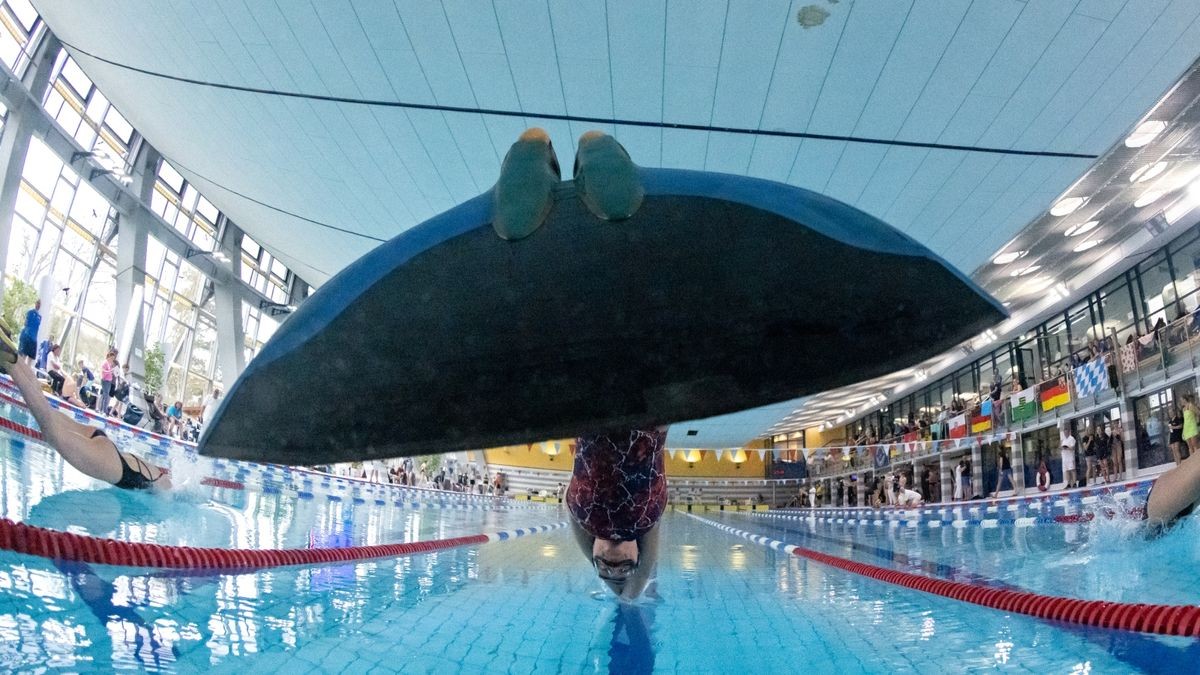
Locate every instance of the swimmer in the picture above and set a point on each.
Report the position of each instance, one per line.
(617, 495)
(1173, 495)
(83, 447)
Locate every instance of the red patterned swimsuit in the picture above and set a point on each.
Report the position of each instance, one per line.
(618, 490)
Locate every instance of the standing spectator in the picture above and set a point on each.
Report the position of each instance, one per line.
(1067, 450)
(1176, 438)
(1003, 472)
(108, 372)
(120, 390)
(1190, 428)
(1103, 453)
(1116, 445)
(958, 481)
(28, 338)
(210, 407)
(1089, 458)
(54, 369)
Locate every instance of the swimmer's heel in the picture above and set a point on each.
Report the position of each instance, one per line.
(524, 194)
(606, 178)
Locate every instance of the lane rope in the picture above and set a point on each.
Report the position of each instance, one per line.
(59, 545)
(1178, 620)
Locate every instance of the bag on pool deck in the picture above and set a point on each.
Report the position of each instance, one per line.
(133, 415)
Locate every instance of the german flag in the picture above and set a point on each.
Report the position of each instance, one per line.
(1054, 393)
(981, 424)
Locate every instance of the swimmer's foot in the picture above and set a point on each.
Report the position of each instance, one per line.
(8, 347)
(606, 178)
(524, 194)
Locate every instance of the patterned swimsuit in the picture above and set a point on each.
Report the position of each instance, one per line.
(618, 490)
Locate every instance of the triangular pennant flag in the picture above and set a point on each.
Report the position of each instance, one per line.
(701, 454)
(720, 453)
(671, 452)
(762, 455)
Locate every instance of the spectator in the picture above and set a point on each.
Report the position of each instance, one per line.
(1067, 451)
(175, 419)
(1103, 453)
(1043, 476)
(28, 339)
(1176, 439)
(1003, 471)
(107, 376)
(120, 392)
(958, 480)
(54, 369)
(1190, 428)
(43, 352)
(1089, 458)
(210, 407)
(1116, 445)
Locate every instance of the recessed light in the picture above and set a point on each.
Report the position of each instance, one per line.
(1144, 133)
(1148, 198)
(1090, 243)
(1068, 205)
(1147, 172)
(1076, 230)
(1005, 258)
(1025, 270)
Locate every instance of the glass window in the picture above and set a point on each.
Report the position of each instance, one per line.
(1185, 259)
(170, 176)
(1158, 288)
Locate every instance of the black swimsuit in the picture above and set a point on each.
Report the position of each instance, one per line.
(131, 478)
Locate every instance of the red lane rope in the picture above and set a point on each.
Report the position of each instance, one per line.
(57, 545)
(1178, 620)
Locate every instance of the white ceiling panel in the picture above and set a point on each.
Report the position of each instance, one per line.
(1042, 76)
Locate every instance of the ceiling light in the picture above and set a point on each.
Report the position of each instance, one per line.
(1068, 205)
(1076, 230)
(1144, 133)
(1148, 197)
(1147, 172)
(1090, 243)
(1025, 270)
(1005, 258)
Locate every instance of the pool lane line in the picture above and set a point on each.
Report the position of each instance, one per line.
(1178, 620)
(59, 546)
(1108, 512)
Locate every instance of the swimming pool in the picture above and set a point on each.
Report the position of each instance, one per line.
(531, 603)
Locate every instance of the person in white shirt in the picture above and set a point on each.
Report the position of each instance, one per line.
(1067, 450)
(906, 497)
(210, 407)
(54, 369)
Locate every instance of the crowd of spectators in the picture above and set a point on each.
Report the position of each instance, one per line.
(444, 474)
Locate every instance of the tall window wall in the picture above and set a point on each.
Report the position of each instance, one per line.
(20, 29)
(66, 230)
(1164, 286)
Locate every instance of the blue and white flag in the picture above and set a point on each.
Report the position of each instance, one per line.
(1091, 378)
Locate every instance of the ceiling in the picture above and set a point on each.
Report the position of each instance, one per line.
(322, 128)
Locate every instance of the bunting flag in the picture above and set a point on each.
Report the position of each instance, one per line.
(958, 426)
(985, 408)
(762, 455)
(1129, 358)
(1054, 393)
(1091, 378)
(720, 453)
(1023, 404)
(671, 452)
(981, 423)
(912, 436)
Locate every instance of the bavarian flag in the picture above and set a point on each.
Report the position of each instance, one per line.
(958, 427)
(1054, 393)
(981, 424)
(1023, 404)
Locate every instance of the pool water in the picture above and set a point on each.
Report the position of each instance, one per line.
(533, 604)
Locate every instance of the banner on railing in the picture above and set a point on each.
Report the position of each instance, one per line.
(1129, 357)
(1054, 393)
(1091, 378)
(981, 423)
(1023, 404)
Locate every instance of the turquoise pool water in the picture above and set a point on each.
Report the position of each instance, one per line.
(532, 604)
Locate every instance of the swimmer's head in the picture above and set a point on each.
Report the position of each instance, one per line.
(615, 561)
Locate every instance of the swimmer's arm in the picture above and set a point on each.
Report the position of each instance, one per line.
(582, 538)
(647, 565)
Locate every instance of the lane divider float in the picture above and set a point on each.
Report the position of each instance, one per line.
(1178, 620)
(59, 545)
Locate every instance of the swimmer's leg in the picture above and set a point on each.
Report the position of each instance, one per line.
(1173, 492)
(95, 457)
